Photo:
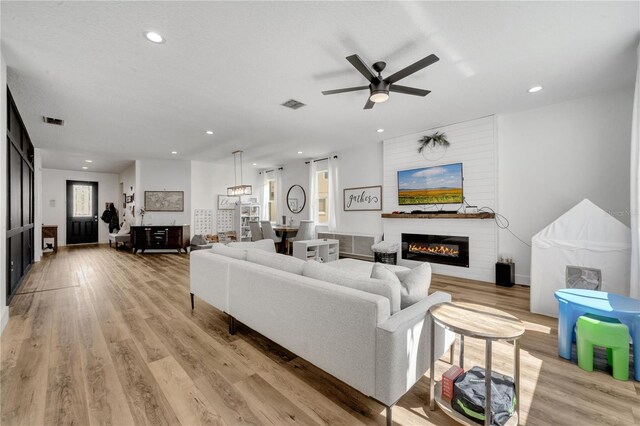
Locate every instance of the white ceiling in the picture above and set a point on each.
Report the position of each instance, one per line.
(227, 66)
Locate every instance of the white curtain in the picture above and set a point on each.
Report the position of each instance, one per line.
(264, 210)
(280, 195)
(635, 189)
(334, 193)
(311, 196)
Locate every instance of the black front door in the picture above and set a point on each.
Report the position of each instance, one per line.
(82, 212)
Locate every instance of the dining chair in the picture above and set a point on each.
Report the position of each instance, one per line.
(256, 231)
(306, 231)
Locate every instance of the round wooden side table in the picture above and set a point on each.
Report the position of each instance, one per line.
(479, 322)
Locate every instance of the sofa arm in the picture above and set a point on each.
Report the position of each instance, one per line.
(403, 348)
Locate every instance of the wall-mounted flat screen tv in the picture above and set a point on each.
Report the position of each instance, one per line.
(431, 185)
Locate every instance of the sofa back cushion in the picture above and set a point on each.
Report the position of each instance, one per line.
(414, 283)
(265, 245)
(275, 260)
(388, 289)
(223, 250)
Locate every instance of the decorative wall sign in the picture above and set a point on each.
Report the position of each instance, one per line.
(164, 201)
(366, 198)
(227, 203)
(203, 221)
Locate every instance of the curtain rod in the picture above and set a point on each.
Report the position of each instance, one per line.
(321, 159)
(269, 171)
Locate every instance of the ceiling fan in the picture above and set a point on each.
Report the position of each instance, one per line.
(379, 87)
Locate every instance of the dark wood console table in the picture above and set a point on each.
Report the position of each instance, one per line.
(160, 237)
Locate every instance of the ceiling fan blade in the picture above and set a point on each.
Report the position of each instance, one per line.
(369, 104)
(405, 72)
(408, 90)
(362, 68)
(348, 89)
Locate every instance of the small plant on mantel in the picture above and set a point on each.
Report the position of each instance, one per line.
(435, 140)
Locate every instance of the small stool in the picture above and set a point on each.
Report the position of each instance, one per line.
(385, 252)
(594, 330)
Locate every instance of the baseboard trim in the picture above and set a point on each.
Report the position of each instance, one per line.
(4, 318)
(523, 279)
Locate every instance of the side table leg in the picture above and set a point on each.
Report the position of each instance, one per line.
(432, 361)
(461, 363)
(452, 355)
(487, 383)
(516, 375)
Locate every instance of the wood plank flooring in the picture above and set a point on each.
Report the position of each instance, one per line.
(99, 336)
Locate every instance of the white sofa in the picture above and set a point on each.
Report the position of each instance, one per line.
(348, 333)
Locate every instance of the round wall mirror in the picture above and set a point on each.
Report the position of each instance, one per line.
(296, 199)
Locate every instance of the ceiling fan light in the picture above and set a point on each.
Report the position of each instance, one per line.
(379, 96)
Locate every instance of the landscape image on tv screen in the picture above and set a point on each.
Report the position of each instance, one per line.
(431, 185)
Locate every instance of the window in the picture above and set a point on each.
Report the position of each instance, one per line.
(82, 202)
(322, 195)
(272, 200)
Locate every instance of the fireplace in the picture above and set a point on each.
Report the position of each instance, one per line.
(445, 249)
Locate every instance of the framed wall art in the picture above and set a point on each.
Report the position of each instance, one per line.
(164, 201)
(364, 198)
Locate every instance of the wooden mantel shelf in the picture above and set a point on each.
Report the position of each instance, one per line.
(438, 216)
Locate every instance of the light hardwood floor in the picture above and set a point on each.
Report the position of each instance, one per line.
(99, 336)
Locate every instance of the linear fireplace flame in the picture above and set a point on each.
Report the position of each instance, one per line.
(445, 249)
(437, 249)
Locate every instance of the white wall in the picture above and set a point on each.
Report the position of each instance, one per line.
(208, 180)
(4, 309)
(553, 157)
(54, 187)
(163, 175)
(359, 166)
(473, 145)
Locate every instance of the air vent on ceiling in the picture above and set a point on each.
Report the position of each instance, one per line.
(54, 121)
(293, 104)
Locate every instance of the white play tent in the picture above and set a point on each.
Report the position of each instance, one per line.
(585, 236)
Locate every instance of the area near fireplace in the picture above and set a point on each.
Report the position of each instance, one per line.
(443, 249)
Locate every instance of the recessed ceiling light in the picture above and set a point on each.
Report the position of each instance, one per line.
(535, 89)
(380, 130)
(154, 37)
(254, 164)
(209, 132)
(174, 152)
(84, 167)
(299, 152)
(88, 161)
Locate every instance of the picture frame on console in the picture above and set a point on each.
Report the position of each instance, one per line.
(363, 198)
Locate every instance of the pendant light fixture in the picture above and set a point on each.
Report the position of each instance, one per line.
(238, 190)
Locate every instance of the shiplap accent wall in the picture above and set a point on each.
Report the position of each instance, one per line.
(473, 143)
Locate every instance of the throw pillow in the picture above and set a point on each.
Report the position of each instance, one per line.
(276, 261)
(125, 229)
(323, 272)
(414, 283)
(223, 250)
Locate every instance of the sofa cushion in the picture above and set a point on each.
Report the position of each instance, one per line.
(275, 260)
(388, 289)
(414, 282)
(266, 245)
(359, 268)
(223, 250)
